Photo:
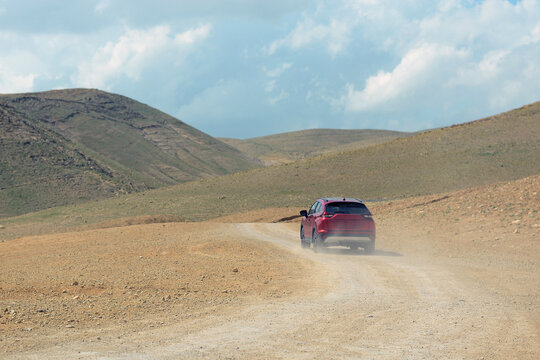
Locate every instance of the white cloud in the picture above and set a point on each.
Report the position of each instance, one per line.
(487, 51)
(131, 54)
(18, 69)
(478, 73)
(273, 74)
(15, 83)
(281, 96)
(125, 56)
(394, 62)
(278, 71)
(193, 35)
(270, 86)
(531, 38)
(413, 70)
(336, 35)
(102, 5)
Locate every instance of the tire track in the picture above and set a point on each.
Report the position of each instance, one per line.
(381, 306)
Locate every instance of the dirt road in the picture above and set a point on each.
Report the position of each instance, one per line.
(388, 305)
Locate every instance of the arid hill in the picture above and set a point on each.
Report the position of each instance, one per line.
(61, 147)
(496, 149)
(40, 168)
(297, 145)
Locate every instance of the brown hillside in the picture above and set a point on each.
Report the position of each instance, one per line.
(297, 145)
(36, 163)
(134, 142)
(499, 148)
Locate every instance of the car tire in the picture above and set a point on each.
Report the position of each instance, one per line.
(316, 241)
(369, 249)
(303, 241)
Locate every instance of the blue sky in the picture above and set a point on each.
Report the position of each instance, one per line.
(244, 68)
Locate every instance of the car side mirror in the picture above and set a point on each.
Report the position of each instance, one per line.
(303, 213)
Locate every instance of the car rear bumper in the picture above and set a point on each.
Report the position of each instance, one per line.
(359, 240)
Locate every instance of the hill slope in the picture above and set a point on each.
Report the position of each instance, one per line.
(37, 163)
(500, 148)
(296, 145)
(130, 141)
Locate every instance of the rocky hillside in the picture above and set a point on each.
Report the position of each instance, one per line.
(60, 147)
(497, 149)
(41, 168)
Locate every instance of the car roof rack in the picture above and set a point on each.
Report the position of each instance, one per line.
(340, 199)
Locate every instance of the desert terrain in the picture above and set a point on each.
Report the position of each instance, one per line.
(454, 275)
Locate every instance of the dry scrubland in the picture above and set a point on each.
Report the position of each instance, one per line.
(103, 283)
(460, 269)
(500, 148)
(297, 145)
(456, 273)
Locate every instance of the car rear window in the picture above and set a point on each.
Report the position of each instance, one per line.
(347, 208)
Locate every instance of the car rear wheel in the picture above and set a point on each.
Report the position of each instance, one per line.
(303, 241)
(369, 249)
(316, 241)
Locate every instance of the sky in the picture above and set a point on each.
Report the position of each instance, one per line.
(246, 68)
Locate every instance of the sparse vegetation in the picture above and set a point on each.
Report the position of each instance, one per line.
(65, 146)
(431, 162)
(297, 145)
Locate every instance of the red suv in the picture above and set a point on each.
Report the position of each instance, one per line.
(338, 222)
